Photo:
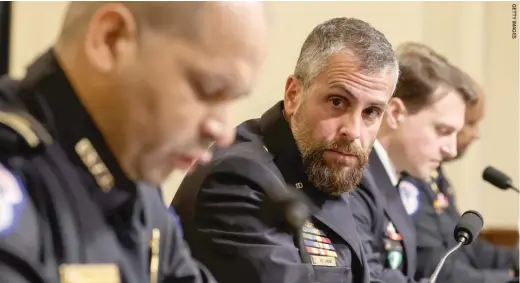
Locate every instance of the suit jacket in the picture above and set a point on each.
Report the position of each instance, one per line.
(434, 222)
(236, 227)
(377, 206)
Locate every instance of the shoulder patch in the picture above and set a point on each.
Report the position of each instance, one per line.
(12, 200)
(409, 196)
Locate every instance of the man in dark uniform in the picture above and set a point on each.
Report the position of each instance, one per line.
(129, 92)
(437, 216)
(427, 96)
(317, 141)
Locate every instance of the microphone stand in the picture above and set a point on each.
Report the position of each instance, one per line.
(435, 274)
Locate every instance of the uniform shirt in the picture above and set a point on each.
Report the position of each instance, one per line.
(434, 221)
(237, 229)
(68, 212)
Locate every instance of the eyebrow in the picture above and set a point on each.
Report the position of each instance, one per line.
(217, 84)
(346, 92)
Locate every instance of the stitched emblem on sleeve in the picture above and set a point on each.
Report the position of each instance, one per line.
(12, 200)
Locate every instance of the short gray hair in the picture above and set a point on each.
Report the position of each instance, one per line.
(366, 43)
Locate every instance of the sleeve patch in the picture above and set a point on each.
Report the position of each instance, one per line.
(409, 196)
(12, 200)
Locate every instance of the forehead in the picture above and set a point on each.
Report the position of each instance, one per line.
(234, 32)
(343, 71)
(449, 109)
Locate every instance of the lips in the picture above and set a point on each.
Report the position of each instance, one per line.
(186, 161)
(346, 153)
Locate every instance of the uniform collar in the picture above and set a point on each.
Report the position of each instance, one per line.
(386, 162)
(278, 136)
(51, 99)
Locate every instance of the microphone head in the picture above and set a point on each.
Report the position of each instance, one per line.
(469, 226)
(496, 178)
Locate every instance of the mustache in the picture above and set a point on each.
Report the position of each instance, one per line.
(315, 151)
(346, 147)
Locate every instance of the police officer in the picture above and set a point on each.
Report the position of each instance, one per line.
(438, 209)
(408, 141)
(129, 92)
(315, 140)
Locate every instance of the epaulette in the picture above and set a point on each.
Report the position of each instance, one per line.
(22, 133)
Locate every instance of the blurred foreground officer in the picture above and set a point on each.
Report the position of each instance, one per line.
(317, 139)
(128, 93)
(437, 215)
(418, 130)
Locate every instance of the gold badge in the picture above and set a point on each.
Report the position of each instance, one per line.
(154, 261)
(434, 187)
(95, 165)
(89, 273)
(323, 260)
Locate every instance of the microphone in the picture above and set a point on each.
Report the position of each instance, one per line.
(467, 230)
(498, 179)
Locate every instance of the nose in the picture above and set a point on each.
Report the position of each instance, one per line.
(221, 132)
(350, 126)
(449, 150)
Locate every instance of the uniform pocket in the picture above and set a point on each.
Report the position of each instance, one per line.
(323, 274)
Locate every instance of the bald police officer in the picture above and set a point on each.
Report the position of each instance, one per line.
(129, 92)
(317, 140)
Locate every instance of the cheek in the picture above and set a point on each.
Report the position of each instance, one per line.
(369, 135)
(173, 110)
(419, 142)
(323, 130)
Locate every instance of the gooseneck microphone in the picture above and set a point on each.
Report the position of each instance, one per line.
(498, 179)
(467, 230)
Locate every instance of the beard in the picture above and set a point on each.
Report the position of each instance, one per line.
(330, 179)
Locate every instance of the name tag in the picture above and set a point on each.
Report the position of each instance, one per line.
(323, 260)
(89, 273)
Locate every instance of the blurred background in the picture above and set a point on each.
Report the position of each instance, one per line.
(476, 36)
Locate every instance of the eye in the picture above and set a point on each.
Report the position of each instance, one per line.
(444, 131)
(337, 101)
(373, 112)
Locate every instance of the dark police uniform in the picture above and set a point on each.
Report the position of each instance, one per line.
(434, 221)
(67, 211)
(236, 231)
(385, 228)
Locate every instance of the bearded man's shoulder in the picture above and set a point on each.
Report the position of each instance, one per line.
(246, 160)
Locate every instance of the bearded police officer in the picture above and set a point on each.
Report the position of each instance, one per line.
(129, 92)
(316, 140)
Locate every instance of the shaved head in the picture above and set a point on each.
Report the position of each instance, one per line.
(158, 77)
(176, 18)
